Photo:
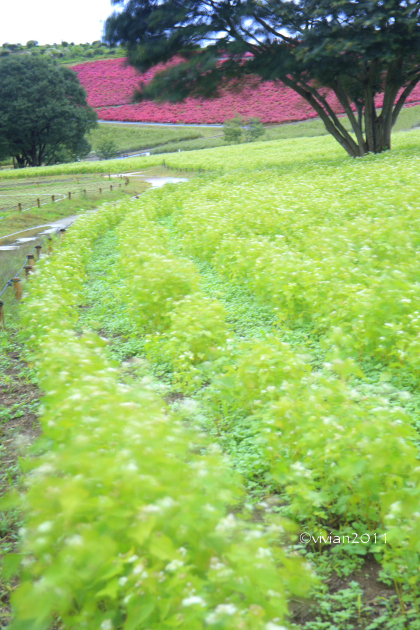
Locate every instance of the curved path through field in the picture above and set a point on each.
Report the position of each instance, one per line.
(17, 245)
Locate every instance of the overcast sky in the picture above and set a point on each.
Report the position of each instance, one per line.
(53, 21)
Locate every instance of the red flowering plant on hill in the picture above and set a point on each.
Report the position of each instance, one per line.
(111, 83)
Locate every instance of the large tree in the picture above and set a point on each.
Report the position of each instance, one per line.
(357, 49)
(43, 112)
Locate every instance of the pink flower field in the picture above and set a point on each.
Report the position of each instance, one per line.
(110, 83)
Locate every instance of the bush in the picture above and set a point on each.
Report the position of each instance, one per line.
(107, 149)
(232, 129)
(237, 128)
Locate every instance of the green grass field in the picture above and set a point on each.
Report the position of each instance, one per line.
(240, 352)
(130, 138)
(86, 192)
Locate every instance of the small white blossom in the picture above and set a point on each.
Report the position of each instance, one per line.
(174, 565)
(226, 524)
(193, 600)
(226, 609)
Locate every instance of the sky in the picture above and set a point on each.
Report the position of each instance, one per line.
(53, 21)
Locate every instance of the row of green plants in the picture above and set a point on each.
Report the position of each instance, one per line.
(294, 155)
(318, 249)
(321, 253)
(128, 513)
(343, 459)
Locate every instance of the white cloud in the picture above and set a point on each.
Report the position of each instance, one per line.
(53, 21)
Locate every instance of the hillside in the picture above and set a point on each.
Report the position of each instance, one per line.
(110, 84)
(241, 346)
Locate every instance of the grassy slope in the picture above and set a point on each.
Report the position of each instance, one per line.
(132, 137)
(354, 577)
(280, 158)
(12, 192)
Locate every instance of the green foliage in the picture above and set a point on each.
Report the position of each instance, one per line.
(124, 522)
(355, 54)
(137, 137)
(254, 129)
(236, 128)
(195, 337)
(107, 149)
(232, 130)
(43, 112)
(66, 53)
(323, 292)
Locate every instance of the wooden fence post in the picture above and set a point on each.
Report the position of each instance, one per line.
(69, 195)
(49, 250)
(53, 198)
(110, 187)
(38, 202)
(28, 270)
(20, 207)
(1, 315)
(62, 232)
(38, 251)
(17, 286)
(31, 260)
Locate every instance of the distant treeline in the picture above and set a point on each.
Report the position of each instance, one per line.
(65, 52)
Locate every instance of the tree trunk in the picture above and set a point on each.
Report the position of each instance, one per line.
(378, 131)
(20, 161)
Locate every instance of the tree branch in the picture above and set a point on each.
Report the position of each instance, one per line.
(351, 148)
(271, 30)
(331, 113)
(403, 96)
(342, 97)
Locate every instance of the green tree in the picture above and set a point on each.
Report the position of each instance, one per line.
(358, 50)
(254, 129)
(107, 149)
(232, 129)
(43, 112)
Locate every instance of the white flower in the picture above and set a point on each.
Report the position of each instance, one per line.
(194, 599)
(75, 541)
(166, 502)
(273, 626)
(226, 609)
(150, 508)
(106, 625)
(139, 570)
(225, 524)
(45, 527)
(131, 466)
(122, 581)
(263, 552)
(174, 565)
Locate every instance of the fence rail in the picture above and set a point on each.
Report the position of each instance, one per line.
(28, 267)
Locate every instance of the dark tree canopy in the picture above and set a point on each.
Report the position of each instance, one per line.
(358, 49)
(43, 112)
